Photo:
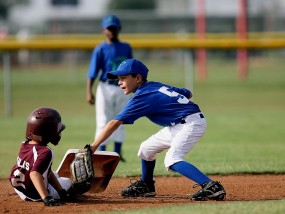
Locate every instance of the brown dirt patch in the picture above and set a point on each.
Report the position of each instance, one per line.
(170, 191)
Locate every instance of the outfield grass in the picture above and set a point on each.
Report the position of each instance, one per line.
(245, 118)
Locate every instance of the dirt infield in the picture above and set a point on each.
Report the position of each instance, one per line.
(170, 190)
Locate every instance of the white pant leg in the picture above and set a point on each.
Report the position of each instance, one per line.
(120, 101)
(185, 136)
(64, 182)
(103, 108)
(110, 100)
(155, 144)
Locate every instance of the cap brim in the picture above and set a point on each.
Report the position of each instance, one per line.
(111, 25)
(115, 74)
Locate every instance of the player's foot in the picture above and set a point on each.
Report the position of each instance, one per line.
(212, 190)
(139, 189)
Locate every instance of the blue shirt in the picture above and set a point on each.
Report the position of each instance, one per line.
(107, 57)
(163, 104)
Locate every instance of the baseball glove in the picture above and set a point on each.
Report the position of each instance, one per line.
(82, 170)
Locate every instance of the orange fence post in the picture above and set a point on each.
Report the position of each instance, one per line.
(241, 28)
(201, 54)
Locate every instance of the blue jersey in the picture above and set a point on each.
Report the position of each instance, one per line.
(107, 57)
(163, 104)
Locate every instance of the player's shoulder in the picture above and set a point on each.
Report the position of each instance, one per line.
(147, 92)
(125, 44)
(39, 150)
(101, 45)
(148, 87)
(45, 152)
(43, 149)
(154, 84)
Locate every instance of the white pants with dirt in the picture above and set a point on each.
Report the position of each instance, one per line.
(110, 100)
(64, 182)
(178, 139)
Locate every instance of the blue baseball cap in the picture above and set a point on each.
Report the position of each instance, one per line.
(111, 20)
(129, 66)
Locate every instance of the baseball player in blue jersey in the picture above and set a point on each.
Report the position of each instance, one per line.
(184, 124)
(109, 98)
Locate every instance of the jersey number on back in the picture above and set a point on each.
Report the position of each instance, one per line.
(181, 99)
(18, 179)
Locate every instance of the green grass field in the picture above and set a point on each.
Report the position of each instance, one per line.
(245, 118)
(276, 207)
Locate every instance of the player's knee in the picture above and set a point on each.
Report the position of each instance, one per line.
(167, 162)
(145, 153)
(171, 159)
(65, 183)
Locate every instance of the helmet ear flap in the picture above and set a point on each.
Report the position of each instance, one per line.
(44, 126)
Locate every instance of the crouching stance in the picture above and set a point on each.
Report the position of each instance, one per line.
(184, 125)
(32, 177)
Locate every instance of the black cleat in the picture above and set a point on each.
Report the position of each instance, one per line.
(139, 189)
(212, 190)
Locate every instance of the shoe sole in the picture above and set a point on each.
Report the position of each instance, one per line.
(208, 199)
(150, 194)
(219, 196)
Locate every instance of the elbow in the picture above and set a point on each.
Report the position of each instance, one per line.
(190, 95)
(115, 123)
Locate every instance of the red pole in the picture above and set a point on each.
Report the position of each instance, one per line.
(201, 54)
(241, 28)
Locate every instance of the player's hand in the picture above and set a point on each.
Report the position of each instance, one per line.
(93, 149)
(91, 99)
(49, 201)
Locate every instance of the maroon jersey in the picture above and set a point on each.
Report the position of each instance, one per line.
(32, 157)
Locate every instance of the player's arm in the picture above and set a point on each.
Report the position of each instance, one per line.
(38, 182)
(54, 182)
(89, 94)
(190, 96)
(94, 68)
(106, 132)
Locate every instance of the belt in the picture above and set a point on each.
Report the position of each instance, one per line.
(183, 121)
(112, 82)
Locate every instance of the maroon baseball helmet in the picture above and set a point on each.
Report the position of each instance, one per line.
(44, 126)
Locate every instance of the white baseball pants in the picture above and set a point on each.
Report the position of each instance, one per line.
(178, 139)
(110, 100)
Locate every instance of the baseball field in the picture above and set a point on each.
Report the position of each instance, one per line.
(243, 146)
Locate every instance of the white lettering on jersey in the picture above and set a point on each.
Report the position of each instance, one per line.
(24, 165)
(181, 99)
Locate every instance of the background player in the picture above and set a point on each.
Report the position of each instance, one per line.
(109, 98)
(32, 177)
(183, 122)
